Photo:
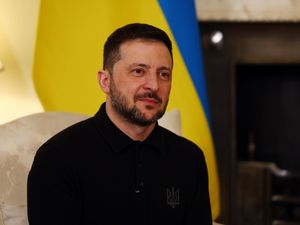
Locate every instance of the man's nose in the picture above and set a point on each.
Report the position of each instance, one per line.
(151, 81)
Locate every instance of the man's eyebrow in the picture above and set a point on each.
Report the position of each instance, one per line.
(148, 66)
(165, 68)
(139, 64)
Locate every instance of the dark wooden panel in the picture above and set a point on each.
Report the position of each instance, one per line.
(243, 43)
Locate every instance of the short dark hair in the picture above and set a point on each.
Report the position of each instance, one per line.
(111, 53)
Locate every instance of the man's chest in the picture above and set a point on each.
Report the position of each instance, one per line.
(144, 188)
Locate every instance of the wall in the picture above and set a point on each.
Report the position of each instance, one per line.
(18, 20)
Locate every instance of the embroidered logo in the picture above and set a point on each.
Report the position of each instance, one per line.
(173, 195)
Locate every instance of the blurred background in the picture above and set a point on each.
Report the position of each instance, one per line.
(18, 25)
(251, 55)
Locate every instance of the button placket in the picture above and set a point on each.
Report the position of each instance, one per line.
(139, 184)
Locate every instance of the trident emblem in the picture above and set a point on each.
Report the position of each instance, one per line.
(173, 197)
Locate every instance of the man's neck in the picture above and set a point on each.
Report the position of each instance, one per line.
(134, 131)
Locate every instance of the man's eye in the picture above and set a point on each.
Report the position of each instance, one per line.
(164, 75)
(138, 72)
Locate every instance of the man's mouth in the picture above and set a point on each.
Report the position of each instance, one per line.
(149, 100)
(149, 97)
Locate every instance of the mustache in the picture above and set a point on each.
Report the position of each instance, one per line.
(149, 95)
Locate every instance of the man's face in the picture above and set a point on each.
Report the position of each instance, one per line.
(141, 81)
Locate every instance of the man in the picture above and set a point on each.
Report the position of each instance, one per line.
(120, 167)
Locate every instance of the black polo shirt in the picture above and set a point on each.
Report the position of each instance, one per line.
(92, 173)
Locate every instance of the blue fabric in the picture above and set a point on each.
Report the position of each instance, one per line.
(182, 19)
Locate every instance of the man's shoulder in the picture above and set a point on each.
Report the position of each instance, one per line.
(79, 129)
(182, 149)
(64, 151)
(178, 142)
(71, 137)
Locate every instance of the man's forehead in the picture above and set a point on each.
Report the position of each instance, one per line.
(133, 42)
(137, 41)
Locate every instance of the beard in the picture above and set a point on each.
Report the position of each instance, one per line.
(132, 114)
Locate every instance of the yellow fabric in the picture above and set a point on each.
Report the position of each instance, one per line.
(68, 55)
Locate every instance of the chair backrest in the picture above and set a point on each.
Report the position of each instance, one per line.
(19, 141)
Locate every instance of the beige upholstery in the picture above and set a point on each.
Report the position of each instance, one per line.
(19, 141)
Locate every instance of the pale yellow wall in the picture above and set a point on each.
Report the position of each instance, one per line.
(18, 20)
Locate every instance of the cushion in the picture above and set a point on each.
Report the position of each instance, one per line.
(172, 121)
(13, 215)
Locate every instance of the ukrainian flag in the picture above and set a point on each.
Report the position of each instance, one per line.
(69, 47)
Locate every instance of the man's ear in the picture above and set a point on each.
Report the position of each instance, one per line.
(104, 80)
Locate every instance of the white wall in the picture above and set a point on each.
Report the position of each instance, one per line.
(18, 20)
